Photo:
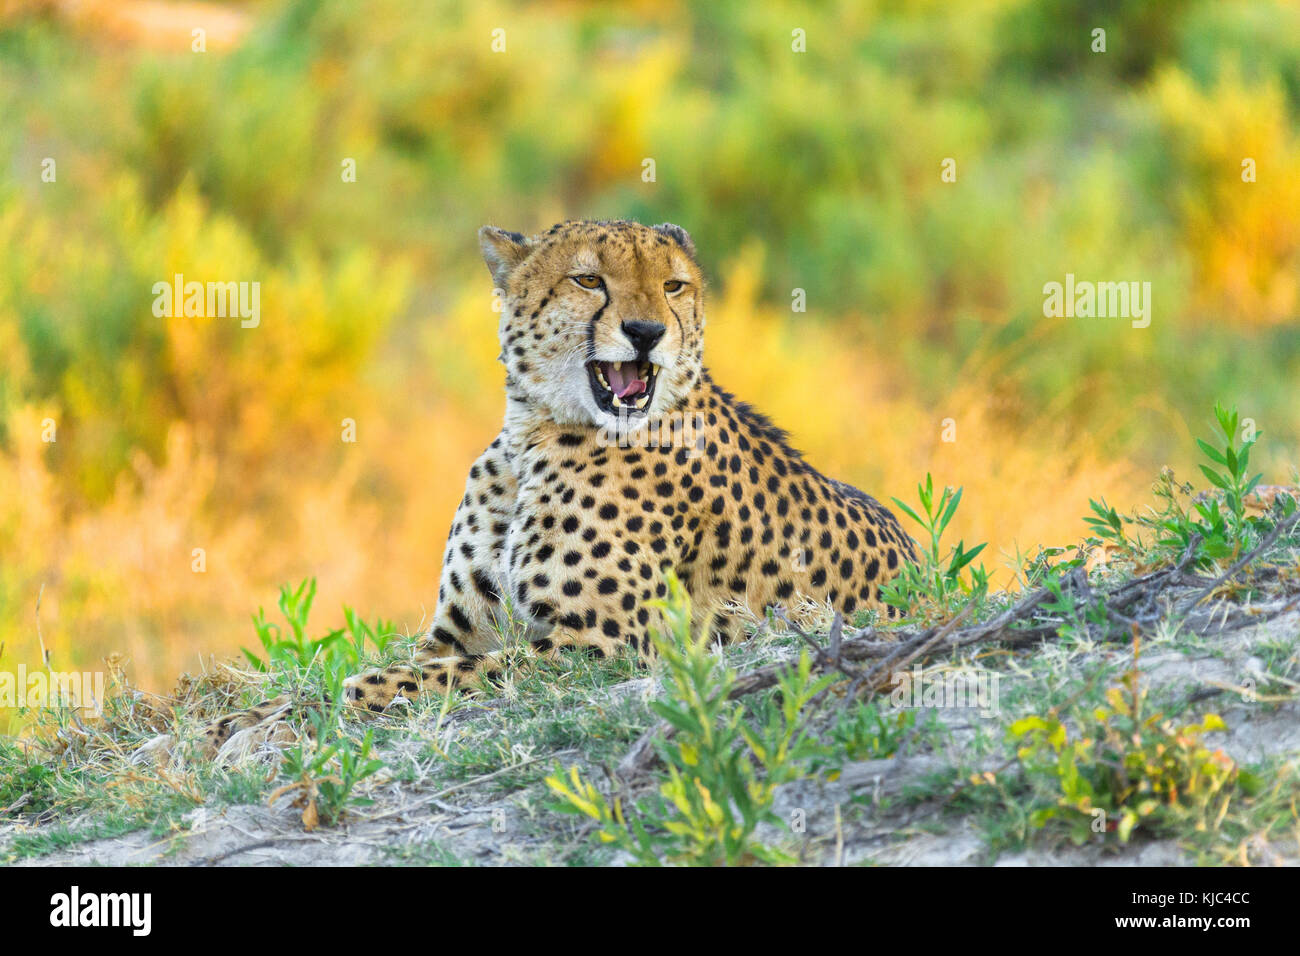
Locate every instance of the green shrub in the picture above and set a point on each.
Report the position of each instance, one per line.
(1116, 767)
(939, 582)
(722, 765)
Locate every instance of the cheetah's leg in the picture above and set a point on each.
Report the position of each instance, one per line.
(469, 609)
(470, 615)
(268, 719)
(375, 690)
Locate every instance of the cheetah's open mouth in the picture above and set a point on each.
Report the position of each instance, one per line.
(623, 385)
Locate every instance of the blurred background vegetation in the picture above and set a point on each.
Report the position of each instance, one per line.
(816, 170)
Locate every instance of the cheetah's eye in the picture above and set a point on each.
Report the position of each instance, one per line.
(588, 281)
(674, 285)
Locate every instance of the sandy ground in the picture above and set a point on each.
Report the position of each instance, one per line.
(474, 824)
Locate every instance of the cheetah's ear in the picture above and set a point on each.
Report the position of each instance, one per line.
(678, 235)
(502, 251)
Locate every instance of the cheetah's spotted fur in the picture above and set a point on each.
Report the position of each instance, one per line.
(573, 514)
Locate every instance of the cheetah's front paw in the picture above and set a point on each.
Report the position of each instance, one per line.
(376, 690)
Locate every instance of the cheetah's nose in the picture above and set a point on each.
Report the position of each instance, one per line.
(643, 335)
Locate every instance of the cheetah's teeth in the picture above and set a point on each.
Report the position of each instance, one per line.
(625, 384)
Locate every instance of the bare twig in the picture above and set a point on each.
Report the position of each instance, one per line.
(913, 650)
(262, 844)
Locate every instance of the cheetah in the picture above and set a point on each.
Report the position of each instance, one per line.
(620, 458)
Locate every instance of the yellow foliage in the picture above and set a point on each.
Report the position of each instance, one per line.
(1247, 236)
(848, 410)
(369, 519)
(178, 434)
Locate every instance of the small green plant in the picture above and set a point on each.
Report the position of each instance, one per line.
(360, 632)
(1234, 460)
(1108, 525)
(1215, 525)
(863, 731)
(295, 650)
(1219, 518)
(1045, 564)
(936, 582)
(1080, 617)
(324, 775)
(26, 784)
(1124, 765)
(722, 765)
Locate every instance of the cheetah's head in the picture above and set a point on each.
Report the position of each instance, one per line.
(602, 323)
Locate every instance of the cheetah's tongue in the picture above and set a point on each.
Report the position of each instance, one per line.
(622, 381)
